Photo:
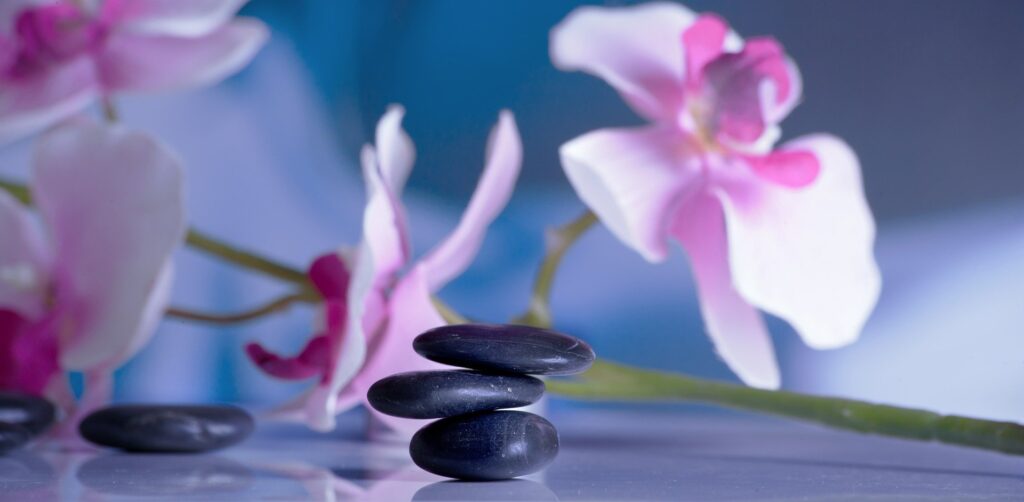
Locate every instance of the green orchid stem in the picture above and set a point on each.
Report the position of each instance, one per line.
(558, 243)
(209, 245)
(611, 381)
(272, 307)
(220, 249)
(17, 191)
(109, 110)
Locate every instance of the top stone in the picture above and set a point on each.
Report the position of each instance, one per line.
(505, 349)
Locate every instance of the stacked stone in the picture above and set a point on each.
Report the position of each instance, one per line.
(477, 438)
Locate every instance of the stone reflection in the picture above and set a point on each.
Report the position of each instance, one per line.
(355, 484)
(164, 475)
(26, 476)
(513, 489)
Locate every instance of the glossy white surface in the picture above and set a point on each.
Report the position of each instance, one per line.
(606, 455)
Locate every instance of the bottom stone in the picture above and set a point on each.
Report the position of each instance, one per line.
(486, 446)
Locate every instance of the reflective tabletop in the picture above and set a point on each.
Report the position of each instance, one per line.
(607, 454)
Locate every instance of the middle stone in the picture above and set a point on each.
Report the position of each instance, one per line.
(440, 394)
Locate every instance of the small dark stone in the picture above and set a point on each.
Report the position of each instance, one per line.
(13, 436)
(438, 394)
(506, 349)
(31, 412)
(167, 428)
(486, 446)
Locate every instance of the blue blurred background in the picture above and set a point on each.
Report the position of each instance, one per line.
(930, 93)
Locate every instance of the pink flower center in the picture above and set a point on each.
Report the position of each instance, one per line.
(731, 98)
(51, 35)
(734, 99)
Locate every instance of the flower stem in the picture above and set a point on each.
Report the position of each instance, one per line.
(109, 110)
(607, 380)
(17, 191)
(232, 254)
(449, 314)
(269, 308)
(611, 381)
(208, 245)
(558, 243)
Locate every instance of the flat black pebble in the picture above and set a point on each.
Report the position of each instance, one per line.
(438, 394)
(167, 428)
(506, 349)
(31, 412)
(486, 446)
(13, 436)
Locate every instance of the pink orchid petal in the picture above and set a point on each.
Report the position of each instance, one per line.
(391, 159)
(395, 151)
(633, 179)
(144, 63)
(775, 104)
(153, 311)
(28, 353)
(738, 82)
(793, 169)
(330, 275)
(381, 254)
(736, 328)
(504, 159)
(33, 103)
(703, 42)
(806, 255)
(183, 18)
(9, 10)
(385, 236)
(308, 363)
(309, 405)
(24, 260)
(411, 312)
(635, 49)
(114, 203)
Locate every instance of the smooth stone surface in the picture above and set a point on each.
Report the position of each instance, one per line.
(438, 394)
(505, 349)
(13, 436)
(167, 428)
(486, 446)
(31, 412)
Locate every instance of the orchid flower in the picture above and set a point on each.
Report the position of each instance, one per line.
(59, 56)
(785, 229)
(375, 303)
(83, 286)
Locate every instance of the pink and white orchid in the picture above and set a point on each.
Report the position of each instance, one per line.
(83, 286)
(785, 229)
(59, 56)
(374, 305)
